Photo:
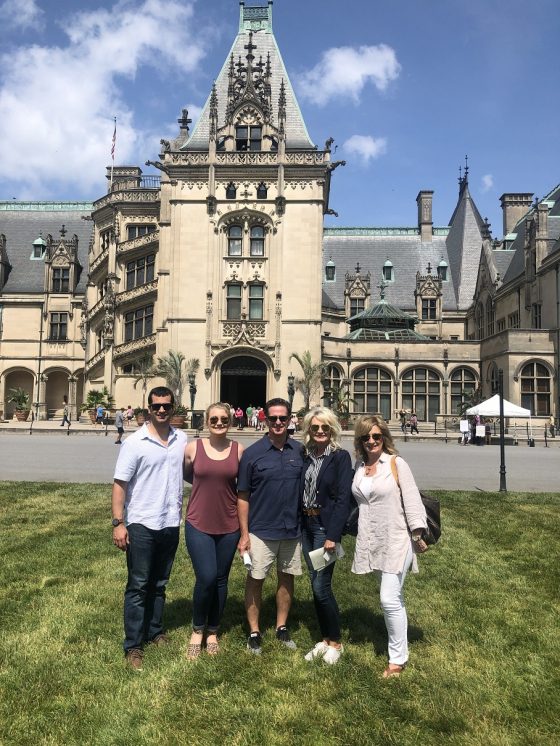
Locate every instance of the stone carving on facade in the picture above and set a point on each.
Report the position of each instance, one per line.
(138, 196)
(95, 360)
(208, 343)
(277, 343)
(356, 285)
(249, 83)
(84, 322)
(134, 346)
(138, 292)
(428, 285)
(140, 241)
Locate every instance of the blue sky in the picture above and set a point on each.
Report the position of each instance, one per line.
(406, 89)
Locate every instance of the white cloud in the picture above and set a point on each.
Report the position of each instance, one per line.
(487, 183)
(57, 103)
(21, 14)
(366, 147)
(344, 71)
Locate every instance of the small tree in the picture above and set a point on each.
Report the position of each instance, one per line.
(144, 371)
(172, 368)
(95, 397)
(470, 398)
(341, 401)
(310, 380)
(20, 398)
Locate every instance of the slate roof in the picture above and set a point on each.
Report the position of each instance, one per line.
(297, 137)
(22, 222)
(517, 264)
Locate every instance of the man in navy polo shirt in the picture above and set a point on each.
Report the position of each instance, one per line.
(269, 518)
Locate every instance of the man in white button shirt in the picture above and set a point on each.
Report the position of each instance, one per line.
(146, 504)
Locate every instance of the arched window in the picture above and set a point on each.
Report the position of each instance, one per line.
(332, 381)
(235, 237)
(489, 317)
(494, 379)
(372, 391)
(330, 271)
(231, 190)
(442, 270)
(257, 241)
(535, 388)
(463, 383)
(262, 191)
(233, 301)
(421, 389)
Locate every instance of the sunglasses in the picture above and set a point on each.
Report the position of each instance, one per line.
(157, 407)
(279, 418)
(376, 437)
(221, 420)
(320, 428)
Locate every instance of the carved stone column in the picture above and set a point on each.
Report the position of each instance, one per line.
(72, 403)
(42, 409)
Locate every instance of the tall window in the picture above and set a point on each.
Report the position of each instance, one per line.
(60, 279)
(429, 310)
(140, 271)
(463, 383)
(248, 138)
(231, 190)
(138, 323)
(105, 239)
(262, 191)
(513, 320)
(357, 305)
(421, 393)
(372, 391)
(235, 238)
(135, 231)
(442, 272)
(233, 302)
(536, 314)
(388, 271)
(256, 301)
(535, 389)
(494, 378)
(59, 326)
(257, 241)
(490, 315)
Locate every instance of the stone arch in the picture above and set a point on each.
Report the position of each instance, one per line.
(17, 377)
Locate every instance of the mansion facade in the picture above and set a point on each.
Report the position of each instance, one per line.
(224, 257)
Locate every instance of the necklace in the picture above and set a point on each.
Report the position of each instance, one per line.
(370, 469)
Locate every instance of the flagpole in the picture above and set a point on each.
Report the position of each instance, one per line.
(113, 153)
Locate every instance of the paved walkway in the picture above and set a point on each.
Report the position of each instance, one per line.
(49, 455)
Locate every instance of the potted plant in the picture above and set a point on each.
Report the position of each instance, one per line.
(20, 398)
(94, 398)
(179, 416)
(141, 415)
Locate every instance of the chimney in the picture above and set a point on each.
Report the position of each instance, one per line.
(514, 207)
(424, 202)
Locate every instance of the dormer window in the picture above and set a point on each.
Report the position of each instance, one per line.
(248, 138)
(231, 191)
(38, 248)
(388, 271)
(330, 271)
(262, 191)
(442, 271)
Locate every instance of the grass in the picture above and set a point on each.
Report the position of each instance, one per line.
(483, 615)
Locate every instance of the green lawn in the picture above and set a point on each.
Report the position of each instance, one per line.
(483, 614)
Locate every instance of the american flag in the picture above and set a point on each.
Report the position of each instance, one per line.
(114, 141)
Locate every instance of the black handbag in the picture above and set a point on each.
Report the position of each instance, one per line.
(351, 525)
(433, 517)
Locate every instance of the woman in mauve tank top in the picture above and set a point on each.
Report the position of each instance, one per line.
(211, 524)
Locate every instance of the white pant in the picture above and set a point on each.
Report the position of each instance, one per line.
(392, 603)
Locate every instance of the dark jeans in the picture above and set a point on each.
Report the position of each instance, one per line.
(149, 559)
(313, 537)
(211, 555)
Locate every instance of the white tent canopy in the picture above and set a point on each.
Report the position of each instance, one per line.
(491, 408)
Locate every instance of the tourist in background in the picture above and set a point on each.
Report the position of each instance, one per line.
(326, 492)
(390, 527)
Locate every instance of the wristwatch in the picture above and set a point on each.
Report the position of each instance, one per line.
(117, 522)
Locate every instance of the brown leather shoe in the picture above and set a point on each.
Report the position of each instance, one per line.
(161, 639)
(134, 659)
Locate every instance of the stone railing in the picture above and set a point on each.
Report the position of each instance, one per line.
(251, 328)
(133, 195)
(305, 158)
(98, 261)
(95, 310)
(135, 345)
(138, 243)
(137, 292)
(93, 361)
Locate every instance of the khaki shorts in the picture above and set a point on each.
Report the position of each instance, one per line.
(286, 552)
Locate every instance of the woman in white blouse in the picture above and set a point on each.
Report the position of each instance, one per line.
(389, 527)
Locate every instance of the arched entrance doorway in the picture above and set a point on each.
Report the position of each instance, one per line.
(243, 381)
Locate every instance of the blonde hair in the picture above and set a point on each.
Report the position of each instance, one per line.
(327, 417)
(363, 426)
(219, 405)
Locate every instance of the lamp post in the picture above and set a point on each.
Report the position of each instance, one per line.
(503, 487)
(192, 390)
(291, 390)
(348, 365)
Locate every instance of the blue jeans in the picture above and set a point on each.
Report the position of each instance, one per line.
(313, 537)
(149, 558)
(211, 556)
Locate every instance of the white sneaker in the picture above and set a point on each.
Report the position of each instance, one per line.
(319, 650)
(332, 655)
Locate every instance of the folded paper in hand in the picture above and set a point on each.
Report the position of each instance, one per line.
(321, 558)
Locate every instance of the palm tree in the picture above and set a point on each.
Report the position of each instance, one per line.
(144, 368)
(471, 397)
(340, 401)
(310, 380)
(171, 368)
